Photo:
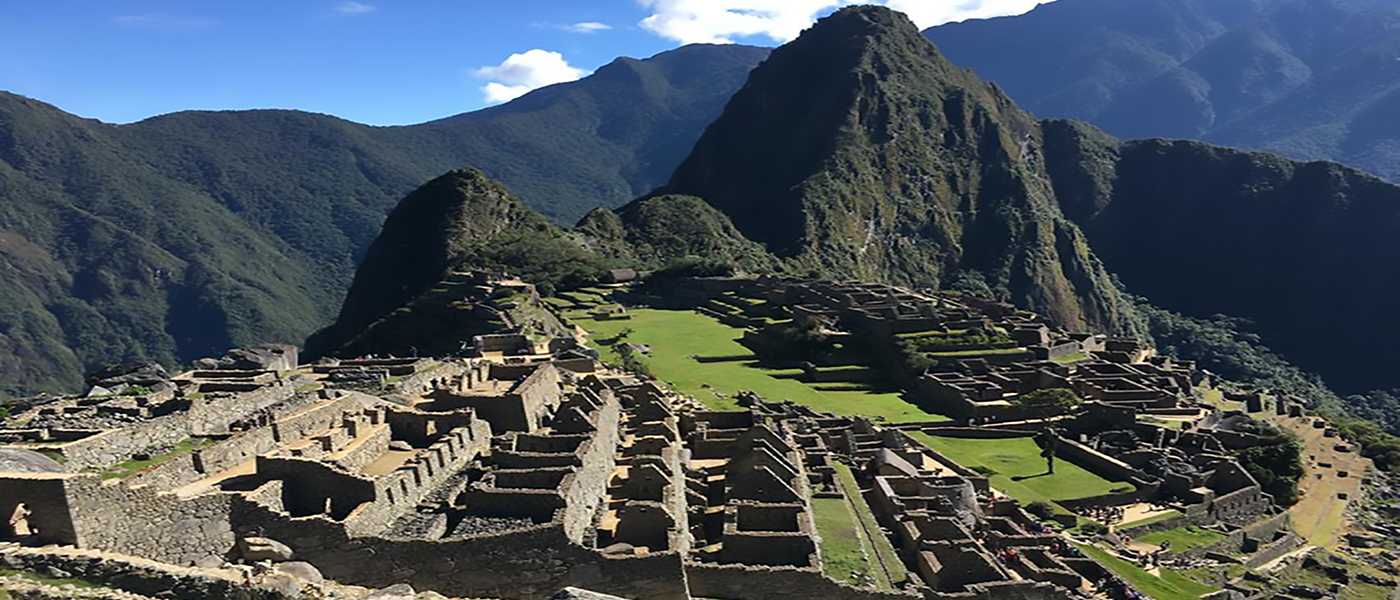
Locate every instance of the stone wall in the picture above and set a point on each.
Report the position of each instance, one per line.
(141, 521)
(366, 449)
(401, 490)
(111, 447)
(524, 564)
(45, 496)
(236, 450)
(297, 422)
(424, 380)
(1274, 550)
(206, 416)
(740, 582)
(590, 482)
(169, 474)
(137, 576)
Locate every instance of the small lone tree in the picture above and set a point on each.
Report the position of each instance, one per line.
(1049, 441)
(1049, 402)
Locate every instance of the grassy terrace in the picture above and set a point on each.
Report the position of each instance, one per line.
(844, 555)
(894, 569)
(853, 548)
(1070, 358)
(1183, 538)
(1171, 585)
(677, 338)
(1019, 470)
(132, 467)
(987, 352)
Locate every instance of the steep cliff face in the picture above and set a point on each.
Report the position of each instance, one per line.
(1306, 251)
(858, 151)
(1308, 79)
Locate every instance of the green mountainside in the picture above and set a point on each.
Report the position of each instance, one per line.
(461, 220)
(182, 235)
(857, 151)
(1305, 251)
(1308, 79)
(655, 231)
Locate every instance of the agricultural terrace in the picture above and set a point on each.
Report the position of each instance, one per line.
(697, 355)
(1015, 468)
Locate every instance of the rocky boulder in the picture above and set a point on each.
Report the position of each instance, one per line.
(254, 549)
(398, 591)
(117, 379)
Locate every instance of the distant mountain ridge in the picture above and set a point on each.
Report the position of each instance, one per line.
(1307, 79)
(181, 235)
(857, 151)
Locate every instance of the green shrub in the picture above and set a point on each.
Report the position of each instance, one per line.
(1041, 509)
(695, 266)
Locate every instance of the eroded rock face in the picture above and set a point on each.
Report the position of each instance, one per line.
(578, 594)
(17, 460)
(264, 357)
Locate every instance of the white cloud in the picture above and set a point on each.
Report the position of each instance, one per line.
(721, 21)
(928, 13)
(158, 21)
(353, 8)
(526, 71)
(587, 27)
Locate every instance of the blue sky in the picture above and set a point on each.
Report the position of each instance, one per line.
(374, 61)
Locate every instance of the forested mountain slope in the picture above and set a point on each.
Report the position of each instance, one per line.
(178, 236)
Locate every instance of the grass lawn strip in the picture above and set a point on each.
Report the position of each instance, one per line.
(844, 555)
(131, 467)
(1019, 470)
(894, 571)
(1170, 586)
(676, 337)
(1183, 538)
(1069, 358)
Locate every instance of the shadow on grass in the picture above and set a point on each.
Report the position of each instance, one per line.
(1025, 477)
(719, 359)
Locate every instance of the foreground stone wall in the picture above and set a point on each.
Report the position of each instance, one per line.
(46, 498)
(740, 582)
(520, 565)
(135, 575)
(141, 521)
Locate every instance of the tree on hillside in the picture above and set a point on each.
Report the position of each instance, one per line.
(1048, 402)
(1277, 466)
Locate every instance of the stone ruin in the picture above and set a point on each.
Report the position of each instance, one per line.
(523, 470)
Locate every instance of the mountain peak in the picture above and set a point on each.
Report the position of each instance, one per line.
(858, 150)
